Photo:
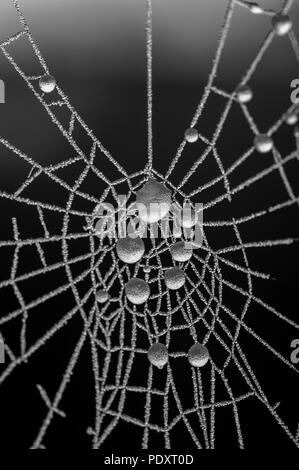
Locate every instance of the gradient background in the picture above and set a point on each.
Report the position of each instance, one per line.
(96, 51)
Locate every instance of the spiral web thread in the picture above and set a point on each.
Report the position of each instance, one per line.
(101, 324)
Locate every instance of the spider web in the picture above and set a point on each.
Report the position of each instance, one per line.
(113, 339)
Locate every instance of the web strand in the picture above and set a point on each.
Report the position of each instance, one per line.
(149, 56)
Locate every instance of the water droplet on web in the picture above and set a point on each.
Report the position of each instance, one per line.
(255, 8)
(244, 94)
(146, 269)
(180, 253)
(291, 119)
(137, 291)
(175, 278)
(153, 201)
(47, 83)
(130, 250)
(102, 296)
(191, 135)
(263, 143)
(281, 24)
(198, 355)
(158, 355)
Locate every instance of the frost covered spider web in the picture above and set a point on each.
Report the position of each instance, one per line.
(112, 338)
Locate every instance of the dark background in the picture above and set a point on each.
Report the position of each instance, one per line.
(96, 51)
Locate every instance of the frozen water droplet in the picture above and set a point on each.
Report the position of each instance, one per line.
(146, 269)
(191, 135)
(47, 83)
(291, 119)
(244, 94)
(255, 8)
(153, 201)
(263, 143)
(137, 291)
(130, 250)
(180, 253)
(175, 278)
(102, 296)
(158, 355)
(281, 24)
(198, 355)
